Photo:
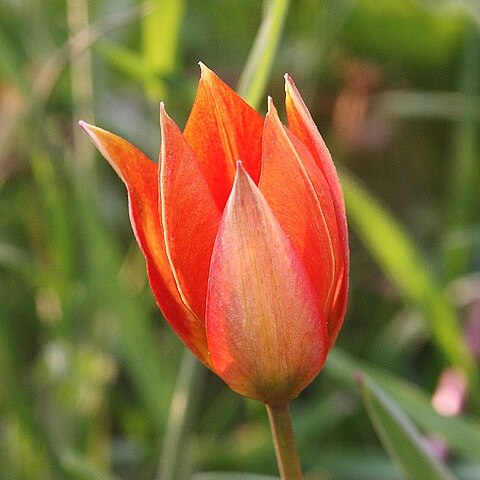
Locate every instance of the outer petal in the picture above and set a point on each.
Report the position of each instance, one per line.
(302, 125)
(265, 331)
(190, 216)
(223, 128)
(139, 174)
(299, 196)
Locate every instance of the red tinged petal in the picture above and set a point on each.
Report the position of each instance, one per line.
(298, 195)
(223, 128)
(258, 274)
(302, 125)
(190, 216)
(140, 176)
(266, 334)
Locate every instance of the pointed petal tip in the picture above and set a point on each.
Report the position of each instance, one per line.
(86, 127)
(209, 78)
(89, 129)
(165, 119)
(163, 112)
(94, 133)
(272, 111)
(204, 70)
(288, 81)
(242, 178)
(270, 104)
(240, 173)
(290, 87)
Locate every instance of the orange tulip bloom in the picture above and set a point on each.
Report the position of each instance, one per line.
(244, 233)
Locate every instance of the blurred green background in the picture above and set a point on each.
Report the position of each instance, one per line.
(88, 368)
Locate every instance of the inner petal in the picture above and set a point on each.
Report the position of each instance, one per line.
(189, 215)
(223, 128)
(299, 196)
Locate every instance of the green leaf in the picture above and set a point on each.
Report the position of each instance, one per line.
(462, 433)
(396, 253)
(399, 436)
(183, 413)
(364, 462)
(259, 64)
(126, 61)
(57, 219)
(160, 37)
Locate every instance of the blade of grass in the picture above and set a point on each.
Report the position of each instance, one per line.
(127, 61)
(81, 85)
(394, 250)
(462, 433)
(160, 38)
(398, 435)
(465, 165)
(260, 61)
(58, 232)
(362, 462)
(49, 74)
(183, 410)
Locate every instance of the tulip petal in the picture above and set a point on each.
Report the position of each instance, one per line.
(298, 195)
(190, 216)
(223, 128)
(140, 176)
(266, 334)
(302, 125)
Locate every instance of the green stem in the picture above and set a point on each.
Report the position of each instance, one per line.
(259, 64)
(284, 440)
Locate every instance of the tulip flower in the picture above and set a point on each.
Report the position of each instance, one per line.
(243, 228)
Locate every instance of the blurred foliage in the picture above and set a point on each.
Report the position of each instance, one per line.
(88, 368)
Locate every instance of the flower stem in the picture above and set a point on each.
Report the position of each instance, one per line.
(284, 441)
